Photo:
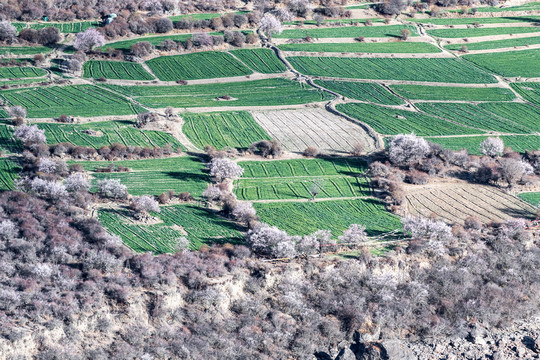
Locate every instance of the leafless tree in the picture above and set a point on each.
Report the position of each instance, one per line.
(512, 170)
(202, 39)
(355, 234)
(142, 49)
(7, 31)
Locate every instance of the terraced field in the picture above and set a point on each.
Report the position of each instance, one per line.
(529, 90)
(433, 70)
(156, 176)
(204, 65)
(76, 100)
(248, 93)
(390, 121)
(524, 63)
(472, 143)
(292, 179)
(8, 173)
(347, 32)
(448, 93)
(21, 72)
(304, 218)
(24, 50)
(115, 70)
(474, 32)
(361, 91)
(298, 129)
(125, 45)
(7, 140)
(260, 60)
(496, 44)
(235, 129)
(363, 47)
(473, 20)
(108, 132)
(200, 226)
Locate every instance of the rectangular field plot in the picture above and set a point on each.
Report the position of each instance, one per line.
(292, 179)
(235, 129)
(532, 198)
(115, 70)
(388, 121)
(125, 45)
(525, 7)
(200, 226)
(298, 129)
(524, 63)
(76, 100)
(420, 92)
(362, 91)
(501, 117)
(204, 65)
(24, 50)
(362, 47)
(529, 90)
(107, 133)
(20, 72)
(434, 70)
(347, 32)
(156, 176)
(471, 21)
(496, 44)
(472, 144)
(245, 93)
(264, 61)
(473, 32)
(8, 173)
(454, 203)
(303, 218)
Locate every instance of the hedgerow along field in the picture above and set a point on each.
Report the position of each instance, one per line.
(494, 116)
(8, 72)
(388, 121)
(156, 176)
(245, 93)
(236, 129)
(496, 44)
(264, 61)
(199, 225)
(473, 20)
(292, 179)
(474, 32)
(369, 92)
(303, 218)
(204, 65)
(75, 100)
(432, 70)
(115, 70)
(449, 93)
(519, 143)
(8, 173)
(108, 132)
(523, 63)
(24, 50)
(363, 47)
(347, 32)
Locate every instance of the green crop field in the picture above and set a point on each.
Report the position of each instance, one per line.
(472, 20)
(76, 100)
(260, 60)
(235, 129)
(21, 81)
(122, 132)
(524, 7)
(347, 32)
(115, 70)
(420, 92)
(347, 21)
(8, 173)
(245, 93)
(292, 179)
(496, 44)
(362, 91)
(503, 117)
(389, 121)
(529, 90)
(304, 218)
(156, 176)
(434, 70)
(363, 47)
(67, 27)
(7, 140)
(24, 50)
(525, 63)
(472, 144)
(21, 72)
(474, 32)
(201, 225)
(204, 65)
(125, 45)
(532, 198)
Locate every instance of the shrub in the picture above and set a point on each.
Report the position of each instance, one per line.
(311, 152)
(112, 188)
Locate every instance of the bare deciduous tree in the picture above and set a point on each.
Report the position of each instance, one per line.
(513, 170)
(355, 234)
(7, 31)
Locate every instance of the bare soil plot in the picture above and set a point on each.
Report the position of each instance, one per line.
(298, 129)
(456, 202)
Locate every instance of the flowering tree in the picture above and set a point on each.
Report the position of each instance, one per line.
(513, 170)
(492, 147)
(405, 149)
(48, 189)
(144, 204)
(47, 165)
(422, 228)
(270, 241)
(355, 234)
(269, 24)
(244, 212)
(7, 31)
(17, 111)
(212, 193)
(112, 188)
(76, 182)
(30, 134)
(225, 169)
(181, 244)
(88, 40)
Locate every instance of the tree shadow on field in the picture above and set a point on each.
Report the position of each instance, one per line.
(187, 176)
(534, 21)
(518, 213)
(214, 219)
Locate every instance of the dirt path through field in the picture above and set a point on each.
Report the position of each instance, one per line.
(443, 54)
(491, 51)
(475, 39)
